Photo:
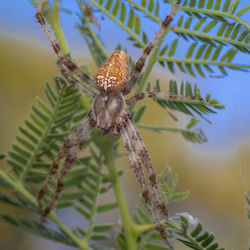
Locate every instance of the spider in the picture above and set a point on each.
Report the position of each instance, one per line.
(110, 114)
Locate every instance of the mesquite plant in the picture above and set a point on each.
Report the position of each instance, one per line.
(214, 33)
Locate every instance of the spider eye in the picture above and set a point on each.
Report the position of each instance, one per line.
(114, 72)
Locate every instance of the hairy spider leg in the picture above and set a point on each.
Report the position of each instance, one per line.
(73, 144)
(63, 58)
(145, 160)
(141, 60)
(140, 177)
(161, 95)
(74, 81)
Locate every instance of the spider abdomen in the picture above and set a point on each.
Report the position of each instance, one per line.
(114, 72)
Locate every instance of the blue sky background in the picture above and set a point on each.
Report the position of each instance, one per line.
(229, 127)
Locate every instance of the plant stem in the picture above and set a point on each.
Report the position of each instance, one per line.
(171, 129)
(92, 33)
(54, 21)
(80, 243)
(193, 61)
(128, 225)
(139, 229)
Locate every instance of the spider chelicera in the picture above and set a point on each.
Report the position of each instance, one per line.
(110, 114)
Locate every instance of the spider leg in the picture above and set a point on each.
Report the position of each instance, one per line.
(143, 155)
(75, 141)
(162, 95)
(136, 165)
(141, 61)
(140, 176)
(61, 57)
(74, 81)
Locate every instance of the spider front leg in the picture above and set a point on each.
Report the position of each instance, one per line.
(69, 151)
(64, 59)
(141, 61)
(74, 81)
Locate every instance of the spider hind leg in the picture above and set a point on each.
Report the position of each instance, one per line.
(145, 160)
(150, 195)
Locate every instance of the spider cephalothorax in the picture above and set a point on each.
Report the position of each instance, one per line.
(110, 114)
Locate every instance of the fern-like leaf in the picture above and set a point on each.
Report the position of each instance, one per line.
(195, 136)
(200, 58)
(190, 105)
(193, 234)
(124, 17)
(36, 140)
(218, 10)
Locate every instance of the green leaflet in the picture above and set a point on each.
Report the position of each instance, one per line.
(102, 227)
(131, 19)
(116, 8)
(106, 207)
(242, 11)
(191, 50)
(217, 5)
(172, 48)
(153, 246)
(210, 4)
(150, 5)
(139, 114)
(226, 5)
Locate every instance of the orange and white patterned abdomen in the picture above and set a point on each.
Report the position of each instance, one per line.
(114, 72)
